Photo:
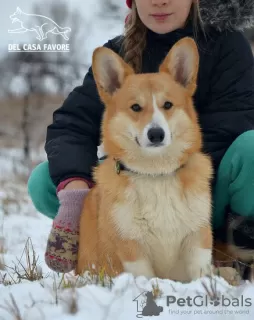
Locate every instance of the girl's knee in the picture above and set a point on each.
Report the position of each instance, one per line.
(241, 150)
(244, 144)
(42, 190)
(38, 179)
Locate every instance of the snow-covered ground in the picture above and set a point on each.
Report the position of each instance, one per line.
(52, 297)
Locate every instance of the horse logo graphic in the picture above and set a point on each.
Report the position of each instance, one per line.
(41, 26)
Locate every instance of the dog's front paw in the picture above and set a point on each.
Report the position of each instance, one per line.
(139, 268)
(200, 264)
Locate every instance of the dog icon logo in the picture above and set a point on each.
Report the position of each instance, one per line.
(146, 305)
(41, 27)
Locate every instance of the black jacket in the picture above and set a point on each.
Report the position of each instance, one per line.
(224, 99)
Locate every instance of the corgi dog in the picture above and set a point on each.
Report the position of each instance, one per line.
(150, 209)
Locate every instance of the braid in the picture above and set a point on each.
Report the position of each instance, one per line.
(134, 41)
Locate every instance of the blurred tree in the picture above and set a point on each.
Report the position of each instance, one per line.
(70, 65)
(30, 69)
(113, 9)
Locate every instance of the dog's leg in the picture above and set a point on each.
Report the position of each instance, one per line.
(195, 179)
(197, 253)
(133, 259)
(88, 234)
(37, 30)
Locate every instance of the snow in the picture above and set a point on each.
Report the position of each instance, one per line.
(47, 298)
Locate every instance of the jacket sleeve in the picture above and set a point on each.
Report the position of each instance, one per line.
(230, 111)
(73, 137)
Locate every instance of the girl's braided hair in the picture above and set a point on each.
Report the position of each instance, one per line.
(135, 35)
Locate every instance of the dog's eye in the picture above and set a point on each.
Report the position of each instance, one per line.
(136, 108)
(168, 105)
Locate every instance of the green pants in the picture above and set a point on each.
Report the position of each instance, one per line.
(234, 186)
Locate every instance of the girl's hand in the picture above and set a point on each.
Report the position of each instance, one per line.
(62, 246)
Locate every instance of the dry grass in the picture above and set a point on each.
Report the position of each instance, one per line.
(29, 271)
(69, 281)
(157, 292)
(230, 268)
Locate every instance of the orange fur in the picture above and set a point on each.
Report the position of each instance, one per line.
(198, 164)
(141, 221)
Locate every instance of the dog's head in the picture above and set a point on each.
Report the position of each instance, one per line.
(15, 16)
(149, 122)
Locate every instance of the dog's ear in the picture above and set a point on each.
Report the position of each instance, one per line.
(109, 71)
(182, 63)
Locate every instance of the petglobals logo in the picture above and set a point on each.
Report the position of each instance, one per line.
(42, 27)
(204, 301)
(199, 305)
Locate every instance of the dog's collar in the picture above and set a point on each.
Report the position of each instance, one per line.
(119, 166)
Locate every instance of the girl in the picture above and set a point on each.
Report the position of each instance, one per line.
(224, 100)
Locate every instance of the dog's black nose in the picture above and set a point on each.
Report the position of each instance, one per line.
(156, 135)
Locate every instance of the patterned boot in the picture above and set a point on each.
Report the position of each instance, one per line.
(240, 235)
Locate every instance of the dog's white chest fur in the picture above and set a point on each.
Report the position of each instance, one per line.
(159, 217)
